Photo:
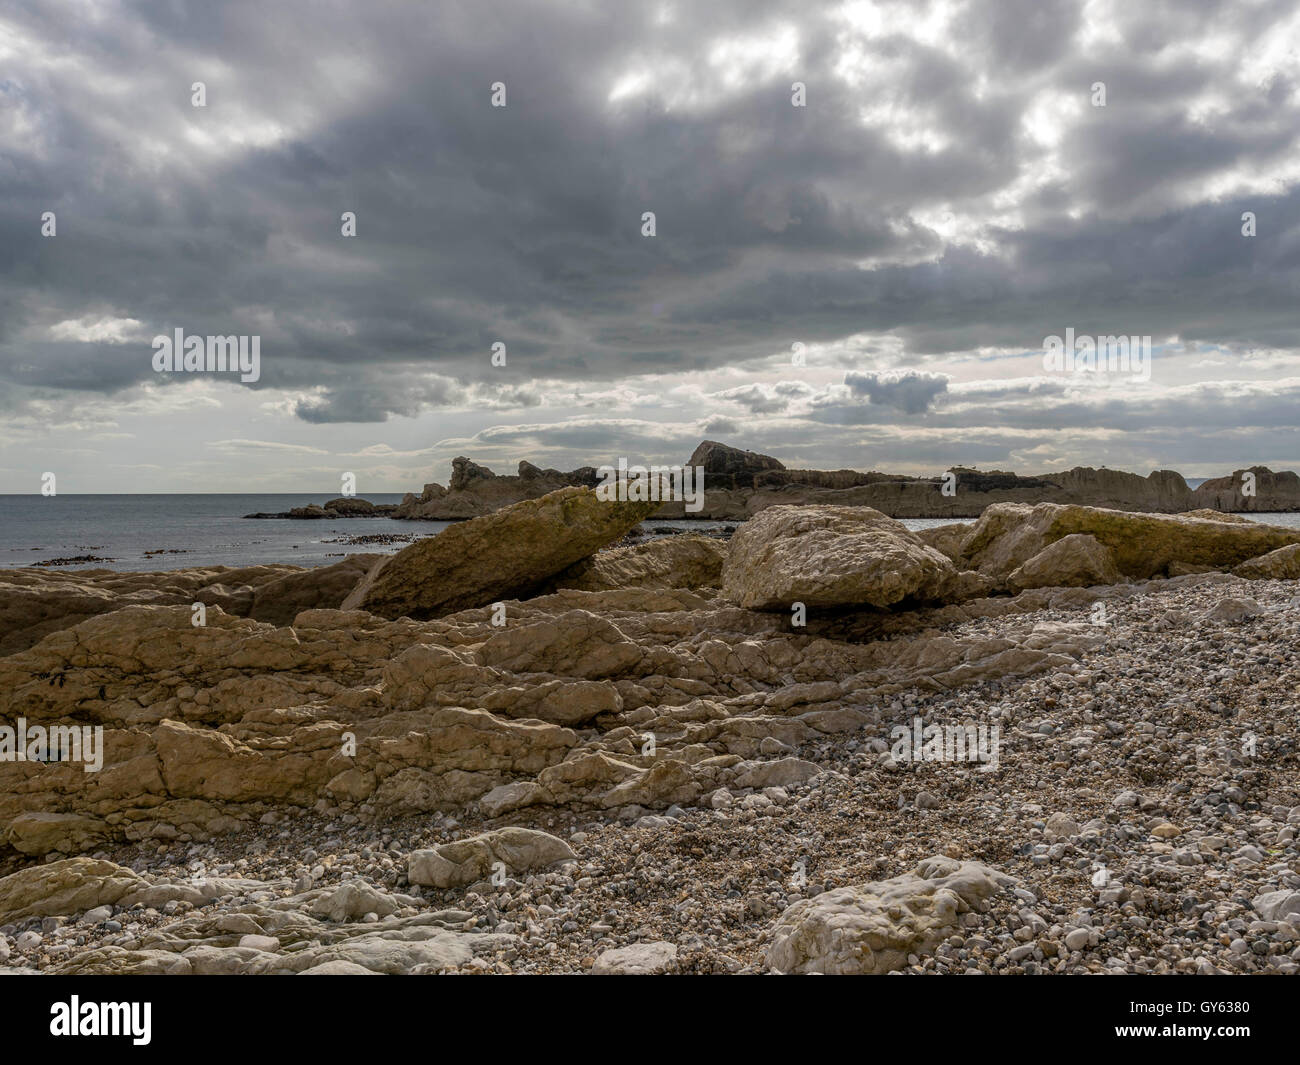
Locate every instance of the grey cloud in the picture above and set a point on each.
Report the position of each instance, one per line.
(911, 391)
(521, 224)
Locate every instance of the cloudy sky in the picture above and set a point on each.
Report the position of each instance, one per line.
(865, 281)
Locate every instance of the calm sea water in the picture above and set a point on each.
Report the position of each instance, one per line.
(174, 531)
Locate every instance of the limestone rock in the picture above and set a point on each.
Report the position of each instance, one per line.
(475, 490)
(1074, 561)
(281, 600)
(45, 832)
(671, 562)
(1280, 565)
(465, 861)
(499, 556)
(576, 644)
(872, 928)
(640, 959)
(1278, 906)
(946, 539)
(1272, 491)
(352, 901)
(1143, 545)
(64, 888)
(830, 557)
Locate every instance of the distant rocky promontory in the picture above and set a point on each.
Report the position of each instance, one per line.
(738, 484)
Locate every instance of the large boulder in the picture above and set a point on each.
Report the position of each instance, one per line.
(508, 554)
(465, 861)
(639, 959)
(1143, 545)
(830, 557)
(1280, 565)
(65, 889)
(281, 600)
(672, 562)
(1074, 561)
(871, 929)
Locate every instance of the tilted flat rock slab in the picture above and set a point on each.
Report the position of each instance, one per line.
(640, 959)
(464, 861)
(503, 555)
(872, 928)
(66, 888)
(1074, 561)
(1142, 545)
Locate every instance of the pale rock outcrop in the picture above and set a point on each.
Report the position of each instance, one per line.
(639, 959)
(37, 602)
(1280, 565)
(466, 861)
(872, 928)
(1143, 545)
(671, 562)
(830, 557)
(946, 539)
(65, 888)
(592, 700)
(508, 553)
(1074, 561)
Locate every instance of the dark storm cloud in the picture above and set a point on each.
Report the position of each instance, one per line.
(910, 391)
(522, 224)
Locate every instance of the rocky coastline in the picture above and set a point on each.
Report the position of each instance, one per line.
(517, 747)
(739, 484)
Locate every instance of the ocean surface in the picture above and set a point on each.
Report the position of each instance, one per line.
(175, 531)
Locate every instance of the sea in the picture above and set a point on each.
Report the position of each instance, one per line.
(177, 531)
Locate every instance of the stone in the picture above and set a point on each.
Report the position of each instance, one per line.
(1232, 609)
(338, 968)
(1143, 546)
(873, 928)
(1075, 561)
(779, 773)
(279, 601)
(1278, 905)
(503, 555)
(65, 888)
(352, 901)
(1280, 565)
(670, 562)
(1060, 826)
(466, 861)
(639, 959)
(830, 557)
(46, 831)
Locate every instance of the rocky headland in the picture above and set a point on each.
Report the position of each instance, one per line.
(517, 747)
(738, 484)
